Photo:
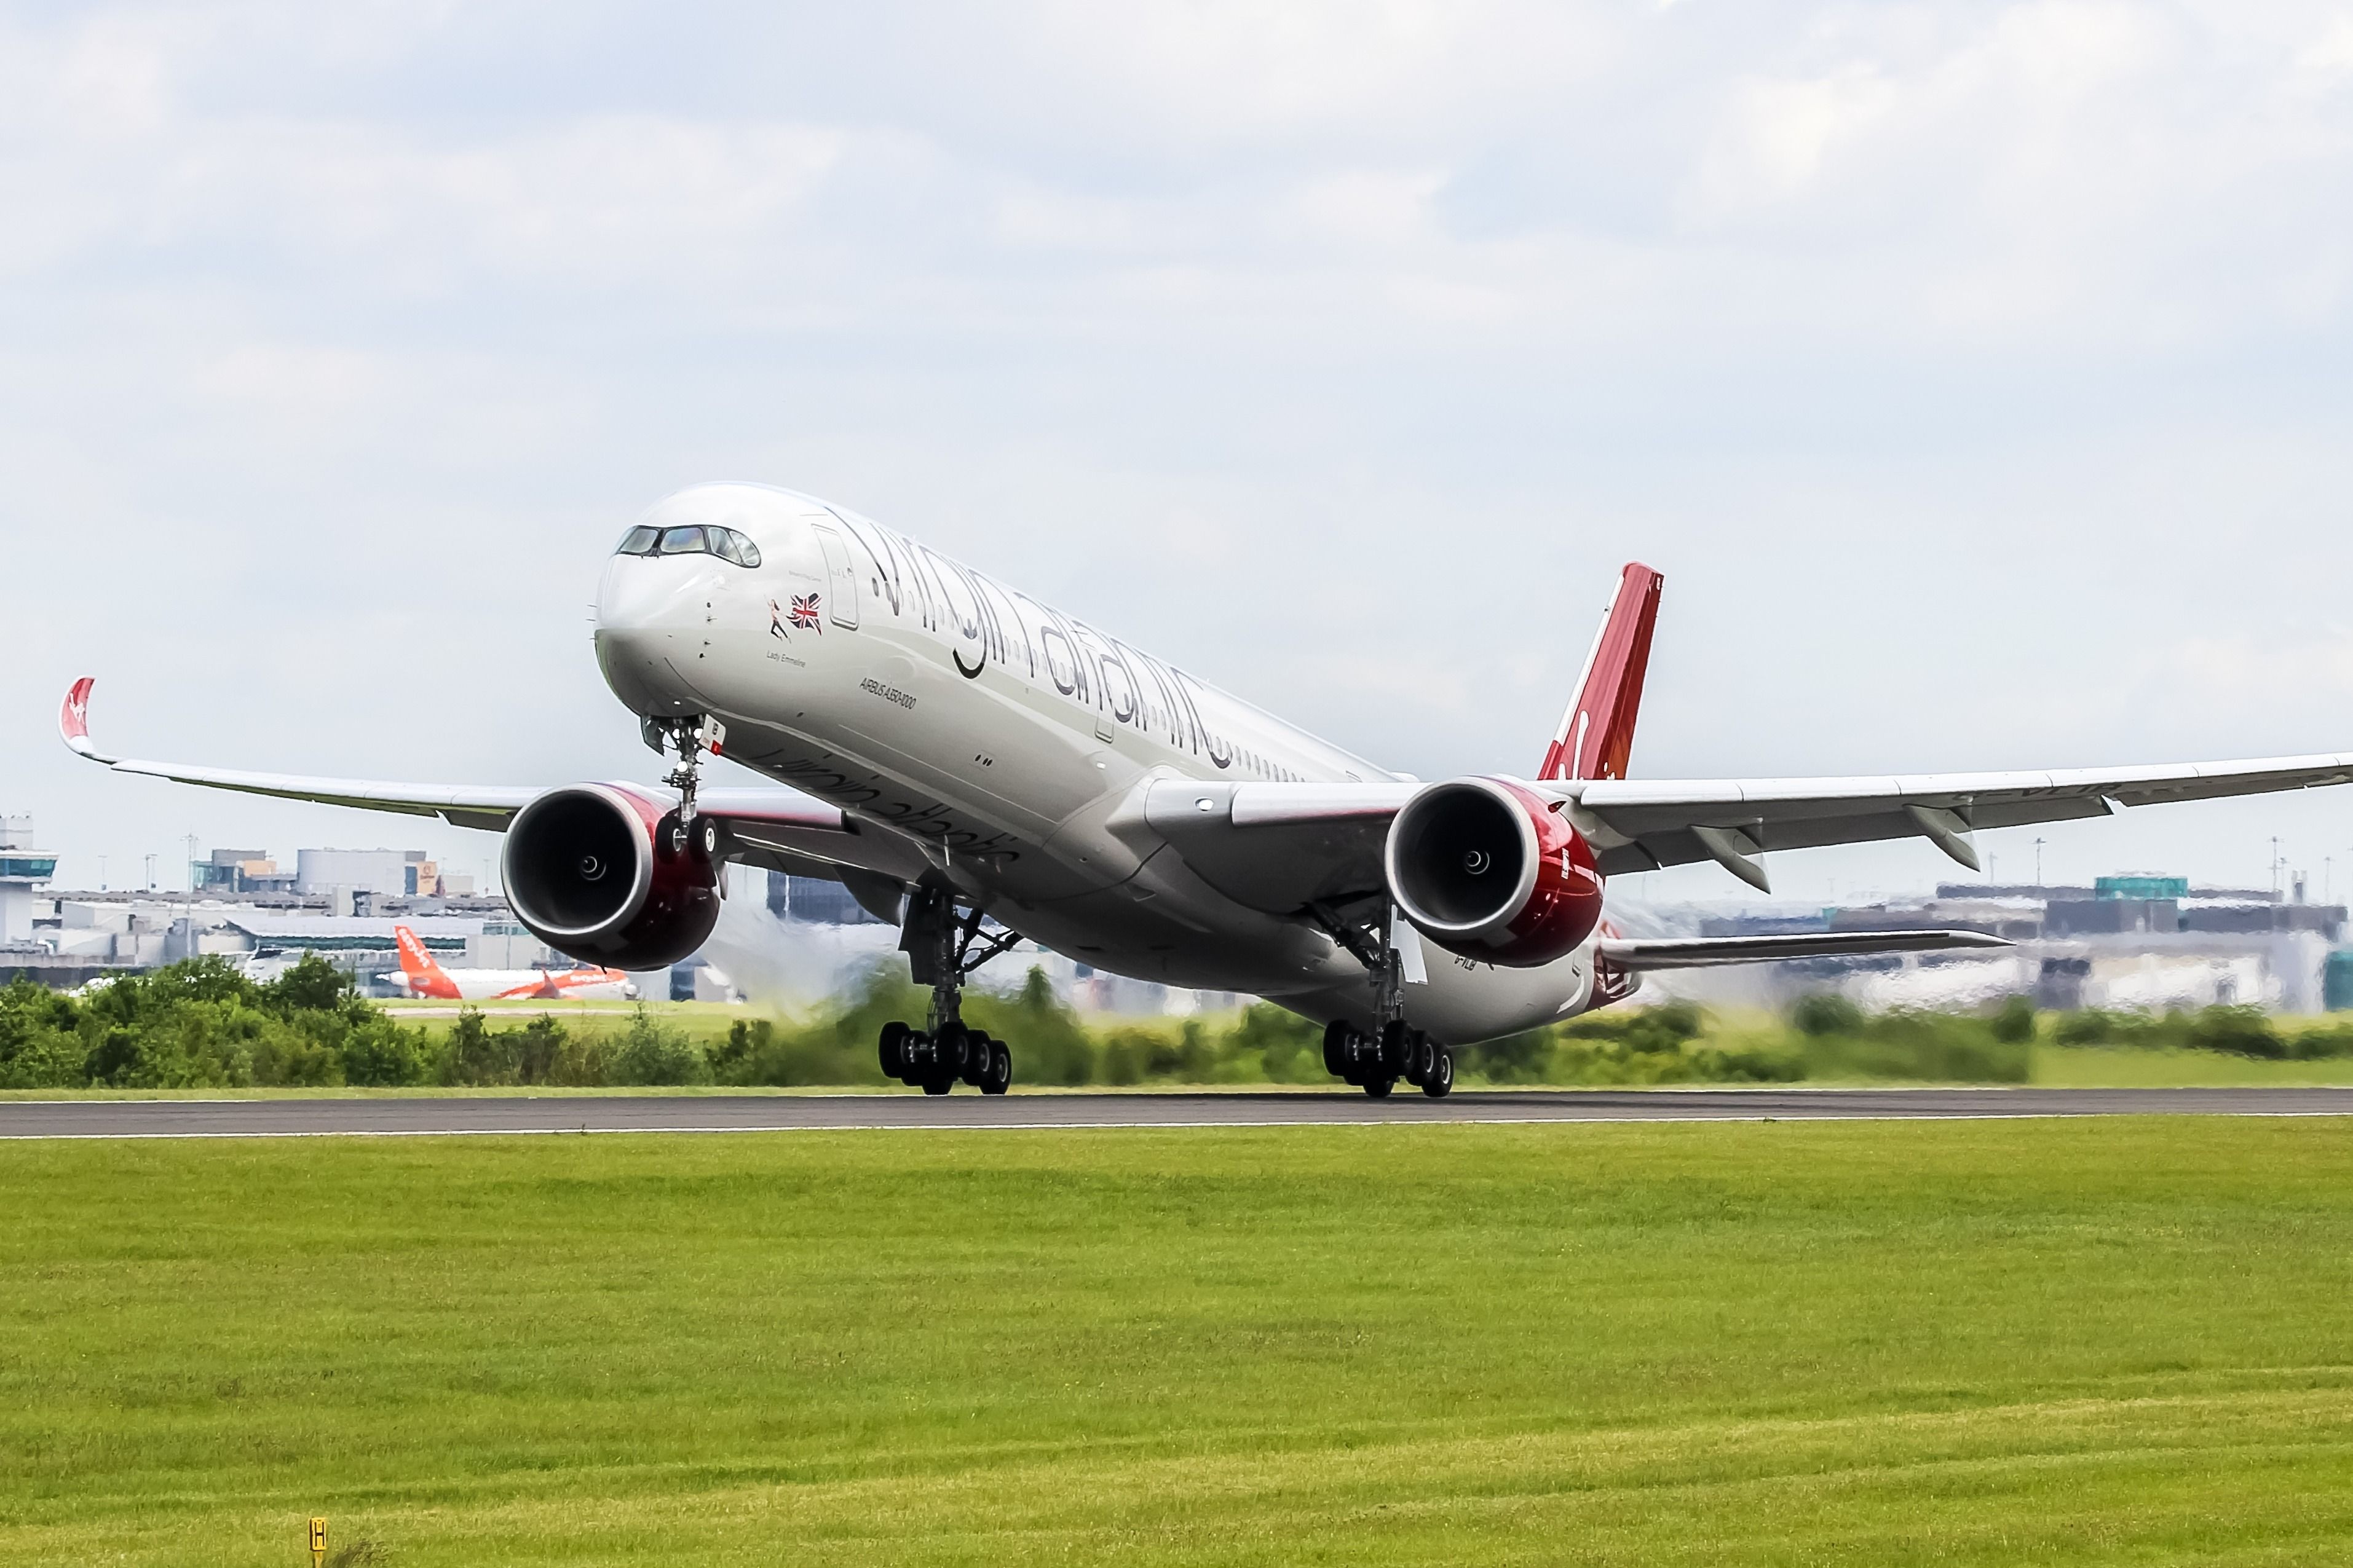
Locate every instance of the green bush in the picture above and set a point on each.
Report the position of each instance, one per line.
(1827, 1012)
(2237, 1031)
(647, 1054)
(202, 1023)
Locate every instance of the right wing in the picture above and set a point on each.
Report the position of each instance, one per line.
(468, 805)
(772, 827)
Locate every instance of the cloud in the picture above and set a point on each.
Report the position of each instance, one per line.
(1947, 357)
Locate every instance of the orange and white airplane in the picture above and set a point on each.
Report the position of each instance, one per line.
(424, 976)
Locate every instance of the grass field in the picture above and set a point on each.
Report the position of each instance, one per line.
(2051, 1341)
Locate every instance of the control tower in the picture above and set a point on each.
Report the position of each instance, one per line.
(20, 870)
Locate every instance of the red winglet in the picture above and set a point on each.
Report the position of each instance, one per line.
(1597, 734)
(73, 719)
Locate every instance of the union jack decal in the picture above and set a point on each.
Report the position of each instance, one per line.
(804, 613)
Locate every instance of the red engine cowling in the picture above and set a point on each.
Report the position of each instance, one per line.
(596, 872)
(1487, 868)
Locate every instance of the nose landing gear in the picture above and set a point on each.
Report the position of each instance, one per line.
(942, 947)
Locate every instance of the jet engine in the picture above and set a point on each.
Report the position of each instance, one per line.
(608, 876)
(1490, 870)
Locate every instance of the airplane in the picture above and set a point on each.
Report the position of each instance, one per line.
(423, 976)
(953, 751)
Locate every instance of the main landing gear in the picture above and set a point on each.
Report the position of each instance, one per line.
(1374, 1062)
(943, 946)
(1393, 1050)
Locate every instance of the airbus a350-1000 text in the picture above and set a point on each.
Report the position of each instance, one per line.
(977, 767)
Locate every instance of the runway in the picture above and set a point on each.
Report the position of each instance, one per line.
(499, 1114)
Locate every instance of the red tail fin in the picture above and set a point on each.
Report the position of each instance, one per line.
(424, 976)
(1597, 734)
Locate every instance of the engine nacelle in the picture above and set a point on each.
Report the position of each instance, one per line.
(1490, 870)
(598, 873)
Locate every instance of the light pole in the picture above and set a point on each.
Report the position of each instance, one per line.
(2038, 862)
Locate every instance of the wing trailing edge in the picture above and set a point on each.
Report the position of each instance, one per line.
(1705, 952)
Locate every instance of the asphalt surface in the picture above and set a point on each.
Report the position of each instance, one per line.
(794, 1113)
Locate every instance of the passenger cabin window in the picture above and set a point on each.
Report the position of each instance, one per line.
(691, 540)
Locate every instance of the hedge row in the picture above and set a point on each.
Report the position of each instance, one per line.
(204, 1024)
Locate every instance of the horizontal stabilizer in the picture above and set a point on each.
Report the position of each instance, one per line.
(1700, 951)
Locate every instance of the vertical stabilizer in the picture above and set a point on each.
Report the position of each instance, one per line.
(1597, 734)
(424, 976)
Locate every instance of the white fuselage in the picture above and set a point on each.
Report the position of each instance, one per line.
(1003, 743)
(487, 985)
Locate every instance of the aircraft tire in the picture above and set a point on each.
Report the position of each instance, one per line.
(1335, 1048)
(938, 1085)
(914, 1058)
(1000, 1069)
(1378, 1086)
(1425, 1055)
(893, 1050)
(952, 1042)
(977, 1058)
(1439, 1083)
(1397, 1044)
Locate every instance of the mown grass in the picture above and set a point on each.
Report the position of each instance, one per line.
(2113, 1342)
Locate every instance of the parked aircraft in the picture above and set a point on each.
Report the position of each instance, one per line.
(951, 750)
(424, 976)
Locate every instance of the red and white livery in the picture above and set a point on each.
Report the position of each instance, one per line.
(974, 764)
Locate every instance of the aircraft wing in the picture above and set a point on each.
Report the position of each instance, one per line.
(772, 811)
(1277, 846)
(1639, 824)
(1704, 951)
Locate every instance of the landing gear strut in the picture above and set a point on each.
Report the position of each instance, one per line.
(682, 830)
(943, 946)
(1394, 1050)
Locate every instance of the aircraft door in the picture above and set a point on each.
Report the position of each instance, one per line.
(841, 579)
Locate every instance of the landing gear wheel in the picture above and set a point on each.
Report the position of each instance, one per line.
(670, 837)
(893, 1050)
(980, 1049)
(952, 1049)
(703, 840)
(1336, 1047)
(1439, 1083)
(1396, 1044)
(915, 1055)
(938, 1085)
(1378, 1088)
(1000, 1069)
(1424, 1053)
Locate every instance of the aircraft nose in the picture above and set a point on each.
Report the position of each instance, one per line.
(650, 619)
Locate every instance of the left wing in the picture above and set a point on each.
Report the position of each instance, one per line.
(1277, 846)
(1704, 951)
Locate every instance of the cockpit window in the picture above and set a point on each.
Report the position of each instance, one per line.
(694, 539)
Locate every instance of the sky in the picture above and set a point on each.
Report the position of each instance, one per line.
(1976, 373)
